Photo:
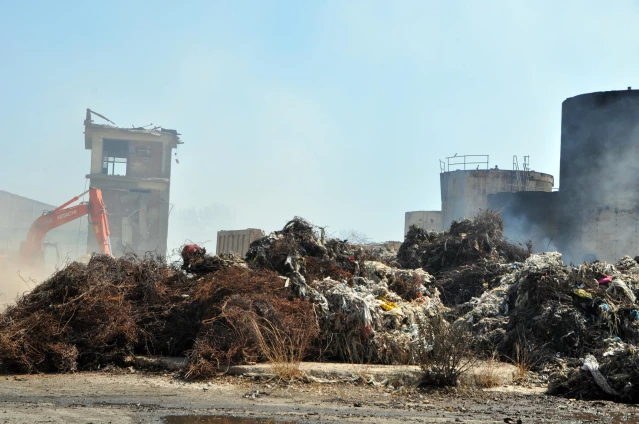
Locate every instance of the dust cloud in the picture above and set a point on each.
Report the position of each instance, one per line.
(16, 281)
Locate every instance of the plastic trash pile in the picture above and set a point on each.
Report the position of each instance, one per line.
(466, 241)
(367, 311)
(364, 321)
(565, 319)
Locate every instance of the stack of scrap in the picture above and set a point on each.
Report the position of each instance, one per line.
(465, 242)
(612, 377)
(89, 315)
(247, 316)
(367, 311)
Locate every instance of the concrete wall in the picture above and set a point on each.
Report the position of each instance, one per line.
(428, 220)
(145, 159)
(237, 241)
(465, 193)
(138, 203)
(17, 213)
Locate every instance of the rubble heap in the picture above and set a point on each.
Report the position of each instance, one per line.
(87, 316)
(367, 310)
(555, 315)
(300, 252)
(466, 260)
(301, 296)
(612, 379)
(246, 316)
(363, 320)
(298, 295)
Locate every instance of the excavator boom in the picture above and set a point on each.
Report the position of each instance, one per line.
(61, 215)
(99, 220)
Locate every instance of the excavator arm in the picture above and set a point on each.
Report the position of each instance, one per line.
(61, 215)
(98, 216)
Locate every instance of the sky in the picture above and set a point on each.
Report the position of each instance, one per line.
(335, 111)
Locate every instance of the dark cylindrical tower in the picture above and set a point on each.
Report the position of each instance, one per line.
(599, 176)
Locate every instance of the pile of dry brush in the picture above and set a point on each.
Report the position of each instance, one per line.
(86, 316)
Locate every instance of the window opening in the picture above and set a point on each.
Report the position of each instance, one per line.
(115, 155)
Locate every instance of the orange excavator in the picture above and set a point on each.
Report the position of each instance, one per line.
(32, 251)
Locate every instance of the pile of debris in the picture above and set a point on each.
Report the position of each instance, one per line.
(552, 315)
(367, 320)
(301, 296)
(247, 316)
(297, 296)
(614, 379)
(465, 242)
(367, 310)
(467, 259)
(89, 315)
(300, 252)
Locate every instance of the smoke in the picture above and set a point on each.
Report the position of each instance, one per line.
(16, 280)
(528, 216)
(520, 229)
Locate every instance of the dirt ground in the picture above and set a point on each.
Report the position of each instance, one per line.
(129, 396)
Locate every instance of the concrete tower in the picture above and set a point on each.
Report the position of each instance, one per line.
(132, 167)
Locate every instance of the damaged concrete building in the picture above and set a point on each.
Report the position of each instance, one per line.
(132, 167)
(599, 202)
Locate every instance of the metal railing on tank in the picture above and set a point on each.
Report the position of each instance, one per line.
(467, 162)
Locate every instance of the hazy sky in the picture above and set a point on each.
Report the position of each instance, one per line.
(336, 111)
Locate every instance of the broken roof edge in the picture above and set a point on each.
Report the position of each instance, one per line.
(169, 135)
(157, 131)
(163, 135)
